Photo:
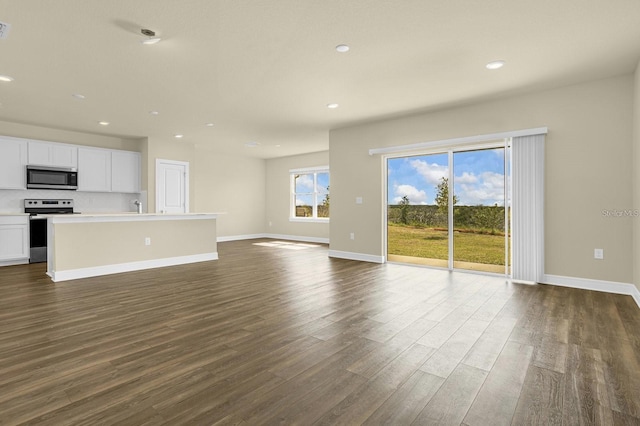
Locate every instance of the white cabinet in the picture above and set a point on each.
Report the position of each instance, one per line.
(14, 239)
(94, 170)
(53, 154)
(125, 171)
(13, 159)
(99, 169)
(106, 170)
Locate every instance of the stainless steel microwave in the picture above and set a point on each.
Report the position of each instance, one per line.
(45, 177)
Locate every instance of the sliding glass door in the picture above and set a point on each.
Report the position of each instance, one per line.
(479, 210)
(418, 219)
(451, 209)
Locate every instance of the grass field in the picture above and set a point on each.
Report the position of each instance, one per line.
(431, 243)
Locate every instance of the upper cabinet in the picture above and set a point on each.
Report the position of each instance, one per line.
(13, 159)
(99, 169)
(125, 171)
(107, 170)
(53, 154)
(94, 169)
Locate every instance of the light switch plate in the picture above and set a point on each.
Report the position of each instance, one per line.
(4, 29)
(598, 253)
(358, 200)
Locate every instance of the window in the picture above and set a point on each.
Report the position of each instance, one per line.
(310, 194)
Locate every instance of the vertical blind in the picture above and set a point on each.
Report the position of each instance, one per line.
(527, 179)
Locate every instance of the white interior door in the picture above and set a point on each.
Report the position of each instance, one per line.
(172, 186)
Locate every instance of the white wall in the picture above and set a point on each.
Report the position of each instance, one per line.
(233, 185)
(588, 169)
(64, 136)
(278, 196)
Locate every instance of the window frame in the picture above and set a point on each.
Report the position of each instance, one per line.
(292, 194)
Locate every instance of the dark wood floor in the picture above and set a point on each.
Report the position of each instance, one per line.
(284, 335)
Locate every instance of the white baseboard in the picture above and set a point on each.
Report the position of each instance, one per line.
(595, 285)
(275, 237)
(14, 262)
(240, 237)
(356, 256)
(318, 240)
(74, 274)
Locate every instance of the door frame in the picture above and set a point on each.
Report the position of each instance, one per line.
(185, 164)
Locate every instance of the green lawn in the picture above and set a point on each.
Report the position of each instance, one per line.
(430, 243)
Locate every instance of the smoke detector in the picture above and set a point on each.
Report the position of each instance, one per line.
(152, 39)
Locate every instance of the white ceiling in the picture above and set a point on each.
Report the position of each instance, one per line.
(264, 71)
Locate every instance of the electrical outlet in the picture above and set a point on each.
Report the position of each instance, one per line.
(358, 200)
(598, 253)
(352, 235)
(147, 241)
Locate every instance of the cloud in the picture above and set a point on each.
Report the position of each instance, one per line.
(432, 173)
(466, 178)
(488, 189)
(304, 182)
(415, 195)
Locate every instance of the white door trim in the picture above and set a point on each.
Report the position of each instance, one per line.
(185, 164)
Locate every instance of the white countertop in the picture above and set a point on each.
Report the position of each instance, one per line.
(14, 214)
(126, 217)
(127, 214)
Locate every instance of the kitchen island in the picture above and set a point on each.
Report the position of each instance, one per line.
(88, 245)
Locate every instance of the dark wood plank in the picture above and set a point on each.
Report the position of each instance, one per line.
(497, 400)
(449, 355)
(541, 398)
(586, 398)
(452, 401)
(295, 337)
(404, 405)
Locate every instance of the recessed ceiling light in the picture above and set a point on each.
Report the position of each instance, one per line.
(494, 65)
(103, 123)
(6, 78)
(78, 96)
(152, 40)
(342, 48)
(332, 106)
(154, 112)
(209, 124)
(178, 136)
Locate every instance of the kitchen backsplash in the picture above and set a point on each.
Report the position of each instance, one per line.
(11, 201)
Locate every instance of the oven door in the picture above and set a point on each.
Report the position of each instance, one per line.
(37, 239)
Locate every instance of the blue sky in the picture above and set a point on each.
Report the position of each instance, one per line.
(478, 177)
(304, 183)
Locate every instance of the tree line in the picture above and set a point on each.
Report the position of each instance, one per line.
(484, 219)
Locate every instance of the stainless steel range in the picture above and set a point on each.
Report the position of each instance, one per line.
(38, 223)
